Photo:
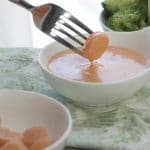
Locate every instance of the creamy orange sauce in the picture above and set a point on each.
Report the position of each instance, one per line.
(115, 64)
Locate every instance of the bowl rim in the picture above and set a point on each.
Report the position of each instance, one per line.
(138, 75)
(103, 22)
(54, 101)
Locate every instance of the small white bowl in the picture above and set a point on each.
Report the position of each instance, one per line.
(21, 109)
(94, 94)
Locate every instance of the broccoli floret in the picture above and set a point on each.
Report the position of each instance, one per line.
(125, 16)
(129, 19)
(115, 5)
(110, 5)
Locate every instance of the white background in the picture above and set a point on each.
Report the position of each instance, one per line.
(18, 30)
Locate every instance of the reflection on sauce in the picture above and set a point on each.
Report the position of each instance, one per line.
(38, 14)
(115, 64)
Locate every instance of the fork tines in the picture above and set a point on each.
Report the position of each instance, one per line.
(68, 26)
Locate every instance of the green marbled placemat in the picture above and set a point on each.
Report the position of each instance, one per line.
(122, 126)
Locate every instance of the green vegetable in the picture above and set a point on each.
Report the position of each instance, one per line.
(126, 15)
(115, 5)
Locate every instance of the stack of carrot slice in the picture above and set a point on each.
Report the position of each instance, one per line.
(35, 138)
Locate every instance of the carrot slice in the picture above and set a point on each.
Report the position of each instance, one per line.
(33, 134)
(6, 135)
(95, 46)
(41, 143)
(14, 145)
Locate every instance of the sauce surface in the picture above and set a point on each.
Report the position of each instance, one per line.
(115, 64)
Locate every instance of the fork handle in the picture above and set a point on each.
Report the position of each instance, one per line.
(23, 4)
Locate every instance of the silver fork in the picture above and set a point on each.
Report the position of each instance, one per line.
(57, 23)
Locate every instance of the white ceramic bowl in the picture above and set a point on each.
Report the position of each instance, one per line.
(20, 110)
(94, 94)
